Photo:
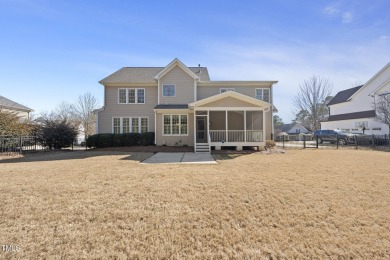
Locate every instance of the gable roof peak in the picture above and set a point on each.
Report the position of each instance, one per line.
(171, 65)
(344, 95)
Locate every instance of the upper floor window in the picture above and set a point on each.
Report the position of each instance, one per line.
(169, 90)
(131, 96)
(263, 94)
(222, 90)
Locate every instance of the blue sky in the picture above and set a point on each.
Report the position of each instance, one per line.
(53, 51)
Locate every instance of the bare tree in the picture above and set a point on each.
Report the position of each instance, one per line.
(312, 97)
(66, 111)
(382, 107)
(83, 108)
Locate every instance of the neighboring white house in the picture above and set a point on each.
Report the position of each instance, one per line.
(353, 109)
(22, 112)
(294, 129)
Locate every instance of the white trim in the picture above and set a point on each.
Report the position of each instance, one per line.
(162, 121)
(171, 65)
(155, 124)
(195, 91)
(233, 94)
(245, 125)
(262, 94)
(168, 84)
(226, 89)
(379, 88)
(231, 108)
(130, 123)
(158, 92)
(236, 83)
(264, 128)
(135, 96)
(370, 80)
(226, 126)
(194, 132)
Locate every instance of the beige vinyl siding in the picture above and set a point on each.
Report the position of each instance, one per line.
(208, 91)
(184, 87)
(228, 102)
(22, 115)
(113, 109)
(172, 140)
(268, 125)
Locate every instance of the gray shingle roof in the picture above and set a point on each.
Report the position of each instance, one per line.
(146, 75)
(174, 106)
(344, 95)
(8, 103)
(356, 115)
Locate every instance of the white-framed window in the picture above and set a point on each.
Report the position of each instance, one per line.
(175, 124)
(135, 125)
(131, 96)
(144, 125)
(169, 90)
(222, 90)
(263, 94)
(116, 125)
(123, 125)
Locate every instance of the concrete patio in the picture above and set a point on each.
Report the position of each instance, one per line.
(185, 158)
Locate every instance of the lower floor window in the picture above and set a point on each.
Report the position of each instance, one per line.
(175, 125)
(122, 125)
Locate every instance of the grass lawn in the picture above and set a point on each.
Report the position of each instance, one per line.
(302, 204)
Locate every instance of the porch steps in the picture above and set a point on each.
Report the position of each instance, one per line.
(202, 148)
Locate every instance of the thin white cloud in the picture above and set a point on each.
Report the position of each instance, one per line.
(347, 17)
(330, 10)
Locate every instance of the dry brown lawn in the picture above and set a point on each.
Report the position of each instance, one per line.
(302, 204)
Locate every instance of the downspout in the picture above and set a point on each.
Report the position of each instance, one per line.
(155, 127)
(272, 112)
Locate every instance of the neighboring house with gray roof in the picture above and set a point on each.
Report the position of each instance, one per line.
(182, 106)
(354, 109)
(21, 111)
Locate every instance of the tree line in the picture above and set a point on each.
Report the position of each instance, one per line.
(55, 129)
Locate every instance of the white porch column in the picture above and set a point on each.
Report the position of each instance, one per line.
(195, 128)
(226, 125)
(264, 126)
(245, 126)
(208, 126)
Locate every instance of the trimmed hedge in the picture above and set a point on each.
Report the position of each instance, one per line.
(115, 140)
(146, 138)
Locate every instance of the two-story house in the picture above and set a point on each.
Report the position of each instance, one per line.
(22, 112)
(182, 106)
(353, 109)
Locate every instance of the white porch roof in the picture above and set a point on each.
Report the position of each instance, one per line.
(252, 102)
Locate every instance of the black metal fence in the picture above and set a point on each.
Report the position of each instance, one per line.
(377, 142)
(19, 144)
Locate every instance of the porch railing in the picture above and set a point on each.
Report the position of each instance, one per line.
(236, 136)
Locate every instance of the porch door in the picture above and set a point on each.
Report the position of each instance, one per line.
(201, 129)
